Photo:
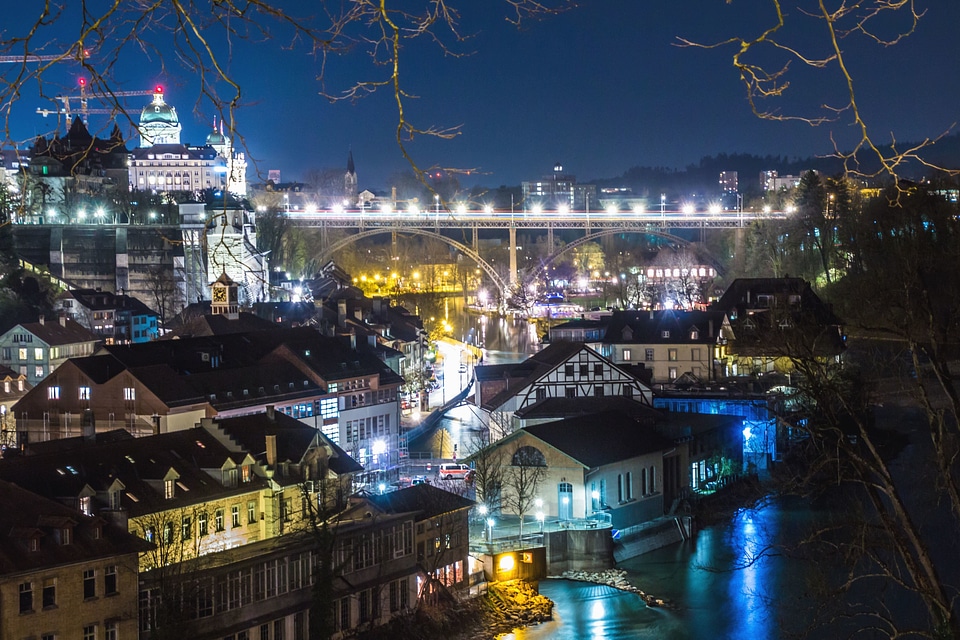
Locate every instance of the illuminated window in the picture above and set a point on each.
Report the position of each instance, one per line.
(672, 355)
(84, 393)
(129, 393)
(169, 489)
(53, 393)
(218, 520)
(202, 524)
(23, 354)
(38, 354)
(626, 355)
(235, 515)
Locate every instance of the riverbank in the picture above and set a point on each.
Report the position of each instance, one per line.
(505, 607)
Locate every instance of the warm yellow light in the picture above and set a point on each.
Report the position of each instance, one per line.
(506, 562)
(363, 278)
(416, 275)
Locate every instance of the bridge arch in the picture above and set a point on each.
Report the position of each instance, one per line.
(488, 269)
(609, 231)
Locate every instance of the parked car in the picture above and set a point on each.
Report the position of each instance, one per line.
(451, 470)
(419, 480)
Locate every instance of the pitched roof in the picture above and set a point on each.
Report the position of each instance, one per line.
(664, 327)
(59, 332)
(557, 408)
(424, 499)
(140, 464)
(28, 515)
(600, 438)
(293, 439)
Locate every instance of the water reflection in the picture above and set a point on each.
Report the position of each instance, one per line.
(723, 584)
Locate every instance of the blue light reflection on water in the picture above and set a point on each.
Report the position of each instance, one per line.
(722, 584)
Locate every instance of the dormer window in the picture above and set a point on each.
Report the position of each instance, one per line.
(246, 473)
(86, 503)
(665, 333)
(65, 535)
(169, 489)
(229, 477)
(694, 334)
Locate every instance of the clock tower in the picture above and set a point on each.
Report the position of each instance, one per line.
(224, 298)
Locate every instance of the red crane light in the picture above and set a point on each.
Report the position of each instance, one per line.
(159, 89)
(83, 82)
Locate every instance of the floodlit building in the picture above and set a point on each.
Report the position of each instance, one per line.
(164, 163)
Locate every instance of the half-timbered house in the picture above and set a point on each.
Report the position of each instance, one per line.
(568, 370)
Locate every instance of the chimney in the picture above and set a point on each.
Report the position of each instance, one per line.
(353, 341)
(710, 332)
(342, 312)
(271, 413)
(271, 449)
(88, 426)
(41, 320)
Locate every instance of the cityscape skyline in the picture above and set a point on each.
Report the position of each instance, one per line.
(636, 100)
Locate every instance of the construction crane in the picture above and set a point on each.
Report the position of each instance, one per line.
(84, 97)
(31, 57)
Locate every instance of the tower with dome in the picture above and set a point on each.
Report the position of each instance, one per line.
(164, 163)
(159, 123)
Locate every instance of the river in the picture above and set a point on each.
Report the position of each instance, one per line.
(720, 586)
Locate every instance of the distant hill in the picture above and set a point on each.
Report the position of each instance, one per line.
(703, 177)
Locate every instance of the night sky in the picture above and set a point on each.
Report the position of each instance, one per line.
(600, 88)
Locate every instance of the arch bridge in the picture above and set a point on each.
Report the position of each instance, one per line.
(594, 225)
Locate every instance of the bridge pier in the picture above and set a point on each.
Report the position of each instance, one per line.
(513, 254)
(550, 237)
(476, 239)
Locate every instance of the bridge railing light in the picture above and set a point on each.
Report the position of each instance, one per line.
(563, 210)
(688, 209)
(612, 209)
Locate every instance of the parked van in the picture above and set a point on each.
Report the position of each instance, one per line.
(449, 471)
